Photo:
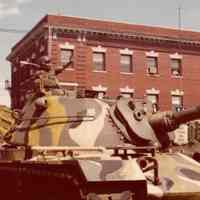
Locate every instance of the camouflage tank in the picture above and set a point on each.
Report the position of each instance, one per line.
(6, 120)
(83, 148)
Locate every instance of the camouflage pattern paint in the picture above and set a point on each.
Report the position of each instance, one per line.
(134, 130)
(180, 175)
(6, 120)
(65, 121)
(91, 122)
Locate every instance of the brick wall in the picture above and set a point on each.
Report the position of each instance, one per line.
(84, 75)
(139, 80)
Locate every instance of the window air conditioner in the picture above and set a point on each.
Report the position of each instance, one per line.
(177, 108)
(152, 70)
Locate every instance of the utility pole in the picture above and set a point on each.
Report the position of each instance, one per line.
(180, 83)
(179, 17)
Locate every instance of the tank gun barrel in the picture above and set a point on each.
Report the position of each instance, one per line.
(187, 115)
(164, 122)
(169, 121)
(29, 63)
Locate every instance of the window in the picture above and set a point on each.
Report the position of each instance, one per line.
(95, 94)
(99, 61)
(100, 95)
(65, 56)
(126, 63)
(153, 98)
(176, 67)
(152, 64)
(90, 94)
(177, 102)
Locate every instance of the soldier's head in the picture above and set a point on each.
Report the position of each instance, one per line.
(44, 60)
(44, 63)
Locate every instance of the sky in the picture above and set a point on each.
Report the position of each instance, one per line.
(24, 14)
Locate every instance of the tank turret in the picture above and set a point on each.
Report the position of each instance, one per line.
(140, 126)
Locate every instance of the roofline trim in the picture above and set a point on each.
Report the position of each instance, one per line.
(120, 35)
(127, 34)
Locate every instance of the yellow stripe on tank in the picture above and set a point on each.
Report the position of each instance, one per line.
(52, 126)
(33, 132)
(55, 108)
(34, 137)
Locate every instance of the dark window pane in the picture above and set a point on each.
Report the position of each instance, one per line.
(176, 100)
(99, 61)
(126, 63)
(176, 67)
(177, 103)
(65, 56)
(152, 65)
(153, 98)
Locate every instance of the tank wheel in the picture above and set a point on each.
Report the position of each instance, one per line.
(196, 156)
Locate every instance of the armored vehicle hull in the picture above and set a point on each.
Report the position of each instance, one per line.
(60, 148)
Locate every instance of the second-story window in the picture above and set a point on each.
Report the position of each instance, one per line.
(99, 61)
(65, 56)
(125, 63)
(152, 65)
(176, 67)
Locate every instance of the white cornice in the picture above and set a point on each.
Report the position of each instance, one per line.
(177, 92)
(99, 88)
(175, 56)
(67, 45)
(152, 91)
(152, 54)
(127, 90)
(99, 49)
(126, 51)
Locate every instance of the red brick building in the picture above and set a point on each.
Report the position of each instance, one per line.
(112, 59)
